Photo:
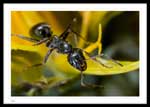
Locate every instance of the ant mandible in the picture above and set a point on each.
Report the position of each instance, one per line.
(42, 33)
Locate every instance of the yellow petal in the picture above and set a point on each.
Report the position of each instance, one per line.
(97, 69)
(97, 44)
(20, 71)
(93, 67)
(85, 23)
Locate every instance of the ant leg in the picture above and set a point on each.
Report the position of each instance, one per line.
(94, 58)
(82, 77)
(25, 38)
(83, 84)
(111, 59)
(99, 61)
(65, 34)
(45, 59)
(68, 30)
(77, 34)
(47, 55)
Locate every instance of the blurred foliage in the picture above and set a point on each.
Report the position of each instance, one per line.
(120, 40)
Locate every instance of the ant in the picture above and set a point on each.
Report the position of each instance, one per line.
(42, 33)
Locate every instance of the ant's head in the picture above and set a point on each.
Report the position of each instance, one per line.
(40, 31)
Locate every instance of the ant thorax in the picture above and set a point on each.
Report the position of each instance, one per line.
(60, 45)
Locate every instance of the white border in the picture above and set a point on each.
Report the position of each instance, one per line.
(8, 99)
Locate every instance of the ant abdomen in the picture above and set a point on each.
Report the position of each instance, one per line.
(77, 60)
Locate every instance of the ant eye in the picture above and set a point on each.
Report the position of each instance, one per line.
(40, 31)
(43, 31)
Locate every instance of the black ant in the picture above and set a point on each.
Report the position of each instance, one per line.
(42, 33)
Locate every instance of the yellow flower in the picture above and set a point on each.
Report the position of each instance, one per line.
(22, 21)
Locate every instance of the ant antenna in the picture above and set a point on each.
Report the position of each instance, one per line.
(25, 37)
(74, 19)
